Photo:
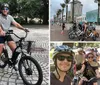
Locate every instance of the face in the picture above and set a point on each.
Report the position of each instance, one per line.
(90, 57)
(5, 11)
(98, 60)
(80, 52)
(64, 62)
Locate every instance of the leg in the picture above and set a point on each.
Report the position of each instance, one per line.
(95, 83)
(1, 48)
(12, 45)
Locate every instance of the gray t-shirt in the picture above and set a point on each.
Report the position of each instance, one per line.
(5, 22)
(55, 81)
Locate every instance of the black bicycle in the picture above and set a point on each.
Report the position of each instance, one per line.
(29, 69)
(77, 78)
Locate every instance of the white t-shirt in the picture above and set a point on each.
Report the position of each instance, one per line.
(5, 22)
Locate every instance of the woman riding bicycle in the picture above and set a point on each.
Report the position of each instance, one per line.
(63, 58)
(88, 69)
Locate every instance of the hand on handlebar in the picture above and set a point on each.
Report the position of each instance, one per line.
(26, 30)
(78, 72)
(2, 33)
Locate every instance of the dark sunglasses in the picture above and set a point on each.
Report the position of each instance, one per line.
(62, 58)
(90, 57)
(5, 9)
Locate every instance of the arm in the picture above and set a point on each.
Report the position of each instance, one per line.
(18, 25)
(2, 33)
(82, 69)
(85, 28)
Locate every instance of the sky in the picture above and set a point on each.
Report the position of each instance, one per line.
(87, 6)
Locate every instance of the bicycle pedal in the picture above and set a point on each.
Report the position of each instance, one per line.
(15, 68)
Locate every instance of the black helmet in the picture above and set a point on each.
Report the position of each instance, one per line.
(4, 5)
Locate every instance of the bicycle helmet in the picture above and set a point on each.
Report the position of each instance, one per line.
(88, 53)
(63, 49)
(79, 49)
(4, 5)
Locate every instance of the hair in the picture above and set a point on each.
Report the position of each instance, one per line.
(89, 54)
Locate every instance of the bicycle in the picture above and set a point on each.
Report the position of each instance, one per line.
(27, 65)
(77, 78)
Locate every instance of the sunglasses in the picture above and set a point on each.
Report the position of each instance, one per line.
(90, 57)
(5, 9)
(62, 58)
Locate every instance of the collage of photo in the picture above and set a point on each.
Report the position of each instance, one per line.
(74, 42)
(49, 42)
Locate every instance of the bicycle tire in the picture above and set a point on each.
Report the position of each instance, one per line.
(4, 58)
(40, 77)
(94, 38)
(97, 35)
(71, 36)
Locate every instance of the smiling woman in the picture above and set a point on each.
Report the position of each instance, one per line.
(63, 58)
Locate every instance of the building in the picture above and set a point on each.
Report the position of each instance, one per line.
(77, 8)
(81, 18)
(91, 16)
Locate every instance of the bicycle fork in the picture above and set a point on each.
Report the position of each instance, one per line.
(28, 69)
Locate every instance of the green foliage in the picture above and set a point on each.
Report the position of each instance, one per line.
(29, 8)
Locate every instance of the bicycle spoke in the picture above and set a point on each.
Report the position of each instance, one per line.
(28, 66)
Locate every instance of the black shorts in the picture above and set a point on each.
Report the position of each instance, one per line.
(5, 38)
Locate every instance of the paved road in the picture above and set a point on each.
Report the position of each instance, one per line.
(40, 53)
(55, 33)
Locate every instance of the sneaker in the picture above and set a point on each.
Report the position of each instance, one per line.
(62, 32)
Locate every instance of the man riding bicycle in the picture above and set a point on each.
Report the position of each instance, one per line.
(5, 22)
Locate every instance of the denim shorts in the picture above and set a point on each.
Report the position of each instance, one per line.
(5, 38)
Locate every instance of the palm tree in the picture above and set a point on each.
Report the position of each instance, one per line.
(58, 12)
(73, 11)
(63, 6)
(66, 2)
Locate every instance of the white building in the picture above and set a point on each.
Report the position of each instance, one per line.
(81, 18)
(77, 8)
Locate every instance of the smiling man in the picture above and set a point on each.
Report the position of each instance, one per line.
(5, 22)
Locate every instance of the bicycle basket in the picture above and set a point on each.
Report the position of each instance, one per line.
(28, 45)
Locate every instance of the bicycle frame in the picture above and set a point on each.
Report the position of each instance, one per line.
(19, 46)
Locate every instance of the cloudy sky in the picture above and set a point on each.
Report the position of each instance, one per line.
(88, 5)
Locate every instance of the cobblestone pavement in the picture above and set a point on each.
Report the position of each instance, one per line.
(9, 76)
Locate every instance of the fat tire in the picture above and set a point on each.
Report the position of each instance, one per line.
(4, 53)
(38, 69)
(71, 36)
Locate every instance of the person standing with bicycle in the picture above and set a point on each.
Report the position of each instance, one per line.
(5, 22)
(63, 59)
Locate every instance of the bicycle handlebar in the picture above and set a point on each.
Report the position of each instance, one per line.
(11, 32)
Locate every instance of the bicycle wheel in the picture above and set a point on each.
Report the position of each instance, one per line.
(3, 59)
(30, 71)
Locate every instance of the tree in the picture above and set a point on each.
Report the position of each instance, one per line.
(45, 11)
(66, 3)
(29, 9)
(63, 6)
(58, 13)
(73, 11)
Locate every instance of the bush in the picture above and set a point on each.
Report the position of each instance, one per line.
(20, 20)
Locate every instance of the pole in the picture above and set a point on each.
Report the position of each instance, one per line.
(73, 12)
(98, 12)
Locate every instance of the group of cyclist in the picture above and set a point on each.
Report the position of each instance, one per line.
(84, 62)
